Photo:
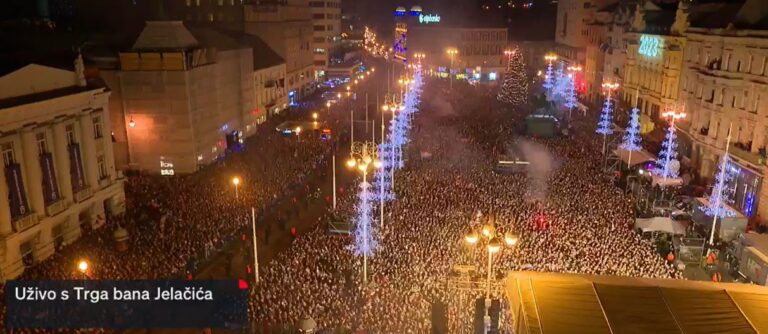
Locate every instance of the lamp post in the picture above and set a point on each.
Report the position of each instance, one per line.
(236, 183)
(392, 102)
(255, 246)
(673, 114)
(573, 69)
(451, 53)
(489, 233)
(609, 87)
(83, 266)
(548, 76)
(364, 156)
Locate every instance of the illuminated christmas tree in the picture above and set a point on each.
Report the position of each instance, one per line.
(632, 139)
(604, 126)
(570, 95)
(667, 165)
(515, 87)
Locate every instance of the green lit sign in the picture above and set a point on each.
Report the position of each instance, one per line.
(650, 46)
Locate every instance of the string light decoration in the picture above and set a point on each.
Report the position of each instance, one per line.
(515, 88)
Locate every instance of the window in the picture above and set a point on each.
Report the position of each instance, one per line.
(319, 28)
(102, 167)
(221, 2)
(8, 156)
(316, 4)
(71, 137)
(319, 16)
(42, 146)
(97, 130)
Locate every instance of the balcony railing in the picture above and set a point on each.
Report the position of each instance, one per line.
(55, 208)
(83, 194)
(746, 155)
(104, 182)
(25, 222)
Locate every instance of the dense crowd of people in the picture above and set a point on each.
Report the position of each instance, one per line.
(174, 222)
(579, 223)
(573, 221)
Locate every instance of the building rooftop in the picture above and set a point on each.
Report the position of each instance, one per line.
(33, 83)
(263, 55)
(571, 303)
(165, 35)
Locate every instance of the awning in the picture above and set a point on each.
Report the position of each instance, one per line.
(638, 157)
(660, 224)
(569, 303)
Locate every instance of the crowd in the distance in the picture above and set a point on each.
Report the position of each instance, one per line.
(448, 178)
(579, 223)
(174, 222)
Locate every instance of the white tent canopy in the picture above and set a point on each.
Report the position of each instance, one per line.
(665, 182)
(638, 157)
(660, 224)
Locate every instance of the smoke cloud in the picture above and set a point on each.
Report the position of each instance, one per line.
(541, 166)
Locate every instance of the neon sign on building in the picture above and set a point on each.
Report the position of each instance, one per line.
(429, 18)
(650, 46)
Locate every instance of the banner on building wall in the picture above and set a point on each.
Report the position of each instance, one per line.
(50, 186)
(16, 194)
(76, 167)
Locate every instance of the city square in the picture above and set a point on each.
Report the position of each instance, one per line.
(433, 175)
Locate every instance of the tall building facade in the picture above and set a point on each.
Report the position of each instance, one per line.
(326, 28)
(58, 170)
(286, 26)
(725, 88)
(480, 50)
(182, 97)
(653, 66)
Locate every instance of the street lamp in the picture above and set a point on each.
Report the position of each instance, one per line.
(82, 267)
(314, 116)
(131, 123)
(673, 115)
(236, 182)
(364, 156)
(451, 53)
(609, 87)
(488, 231)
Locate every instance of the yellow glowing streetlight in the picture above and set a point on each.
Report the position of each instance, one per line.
(472, 238)
(236, 182)
(510, 239)
(314, 116)
(338, 96)
(82, 266)
(351, 163)
(451, 53)
(493, 246)
(131, 123)
(550, 57)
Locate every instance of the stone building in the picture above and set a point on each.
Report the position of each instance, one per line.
(286, 26)
(725, 86)
(58, 170)
(181, 97)
(326, 27)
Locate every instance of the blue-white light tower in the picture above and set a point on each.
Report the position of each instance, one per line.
(605, 125)
(667, 165)
(721, 192)
(364, 157)
(632, 139)
(548, 79)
